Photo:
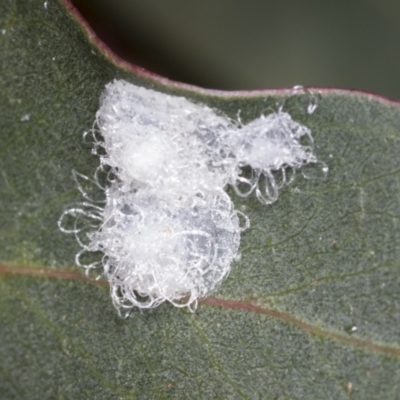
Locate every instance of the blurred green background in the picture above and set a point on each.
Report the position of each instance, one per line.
(256, 44)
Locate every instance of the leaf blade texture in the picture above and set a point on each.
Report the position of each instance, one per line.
(312, 310)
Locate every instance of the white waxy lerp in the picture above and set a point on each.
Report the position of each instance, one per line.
(169, 231)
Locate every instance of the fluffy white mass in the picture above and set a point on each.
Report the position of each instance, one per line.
(162, 141)
(169, 231)
(162, 249)
(268, 144)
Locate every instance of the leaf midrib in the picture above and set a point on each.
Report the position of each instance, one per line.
(239, 305)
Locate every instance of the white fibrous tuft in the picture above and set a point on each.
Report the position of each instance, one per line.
(168, 230)
(160, 249)
(162, 141)
(267, 145)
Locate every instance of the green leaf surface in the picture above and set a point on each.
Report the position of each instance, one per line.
(311, 311)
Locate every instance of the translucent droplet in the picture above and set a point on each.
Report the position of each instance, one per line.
(350, 329)
(315, 171)
(298, 89)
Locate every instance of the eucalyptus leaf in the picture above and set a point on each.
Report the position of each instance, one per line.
(312, 309)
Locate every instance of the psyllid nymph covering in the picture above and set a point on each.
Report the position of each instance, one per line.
(167, 228)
